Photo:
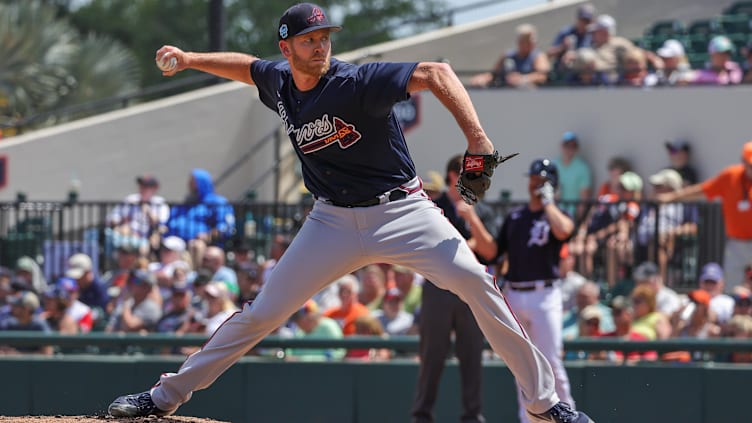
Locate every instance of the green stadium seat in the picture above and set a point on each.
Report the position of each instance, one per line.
(744, 7)
(699, 33)
(737, 23)
(672, 28)
(710, 26)
(698, 60)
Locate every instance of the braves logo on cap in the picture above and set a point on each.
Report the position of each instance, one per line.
(473, 163)
(283, 31)
(317, 15)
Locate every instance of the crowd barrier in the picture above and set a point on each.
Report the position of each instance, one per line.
(123, 342)
(264, 390)
(50, 232)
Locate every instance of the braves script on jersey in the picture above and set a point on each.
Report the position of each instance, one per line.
(358, 122)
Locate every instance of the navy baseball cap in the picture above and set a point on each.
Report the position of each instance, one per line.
(677, 145)
(302, 19)
(545, 168)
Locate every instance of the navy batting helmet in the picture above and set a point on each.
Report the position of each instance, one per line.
(545, 168)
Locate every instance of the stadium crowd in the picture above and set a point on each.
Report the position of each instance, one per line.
(173, 277)
(589, 52)
(185, 268)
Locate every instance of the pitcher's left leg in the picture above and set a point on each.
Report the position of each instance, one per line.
(415, 234)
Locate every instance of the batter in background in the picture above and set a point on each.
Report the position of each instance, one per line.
(442, 312)
(531, 239)
(370, 206)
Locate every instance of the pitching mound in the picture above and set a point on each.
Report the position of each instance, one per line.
(104, 419)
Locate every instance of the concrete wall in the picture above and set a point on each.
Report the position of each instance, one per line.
(629, 122)
(207, 128)
(349, 392)
(213, 127)
(217, 126)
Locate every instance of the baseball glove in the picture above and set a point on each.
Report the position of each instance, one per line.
(477, 170)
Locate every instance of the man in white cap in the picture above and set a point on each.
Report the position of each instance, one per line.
(676, 69)
(670, 220)
(609, 48)
(24, 308)
(92, 291)
(170, 256)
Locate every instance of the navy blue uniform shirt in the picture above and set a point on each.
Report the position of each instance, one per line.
(532, 249)
(343, 130)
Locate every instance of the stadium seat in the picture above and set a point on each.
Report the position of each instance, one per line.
(744, 7)
(666, 29)
(736, 23)
(710, 26)
(700, 32)
(698, 60)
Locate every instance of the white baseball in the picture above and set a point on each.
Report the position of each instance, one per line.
(167, 65)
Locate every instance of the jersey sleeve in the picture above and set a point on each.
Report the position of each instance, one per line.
(715, 187)
(383, 85)
(264, 74)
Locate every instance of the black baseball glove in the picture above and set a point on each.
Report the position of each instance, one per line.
(477, 170)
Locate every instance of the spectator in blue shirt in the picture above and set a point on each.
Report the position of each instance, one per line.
(206, 215)
(91, 291)
(25, 317)
(523, 67)
(572, 37)
(575, 176)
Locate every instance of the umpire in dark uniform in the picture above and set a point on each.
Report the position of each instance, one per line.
(442, 312)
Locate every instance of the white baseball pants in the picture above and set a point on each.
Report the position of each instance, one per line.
(334, 241)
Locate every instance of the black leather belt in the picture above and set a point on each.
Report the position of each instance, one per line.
(393, 195)
(548, 283)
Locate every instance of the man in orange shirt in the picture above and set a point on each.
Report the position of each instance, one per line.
(350, 309)
(733, 185)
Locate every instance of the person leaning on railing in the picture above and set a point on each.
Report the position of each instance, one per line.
(733, 185)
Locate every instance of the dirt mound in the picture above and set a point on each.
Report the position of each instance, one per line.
(104, 419)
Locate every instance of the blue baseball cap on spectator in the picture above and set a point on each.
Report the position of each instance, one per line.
(57, 292)
(720, 44)
(711, 272)
(67, 284)
(569, 136)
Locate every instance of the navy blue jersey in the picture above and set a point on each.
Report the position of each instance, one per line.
(348, 139)
(532, 249)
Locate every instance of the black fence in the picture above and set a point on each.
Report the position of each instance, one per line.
(679, 237)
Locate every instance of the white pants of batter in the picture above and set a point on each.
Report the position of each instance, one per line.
(334, 241)
(540, 312)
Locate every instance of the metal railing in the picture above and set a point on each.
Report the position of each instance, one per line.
(50, 232)
(406, 343)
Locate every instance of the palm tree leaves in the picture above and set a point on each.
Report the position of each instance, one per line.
(46, 64)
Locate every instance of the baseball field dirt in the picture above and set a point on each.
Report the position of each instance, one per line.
(104, 419)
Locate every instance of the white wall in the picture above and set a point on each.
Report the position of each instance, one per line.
(208, 128)
(213, 127)
(629, 122)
